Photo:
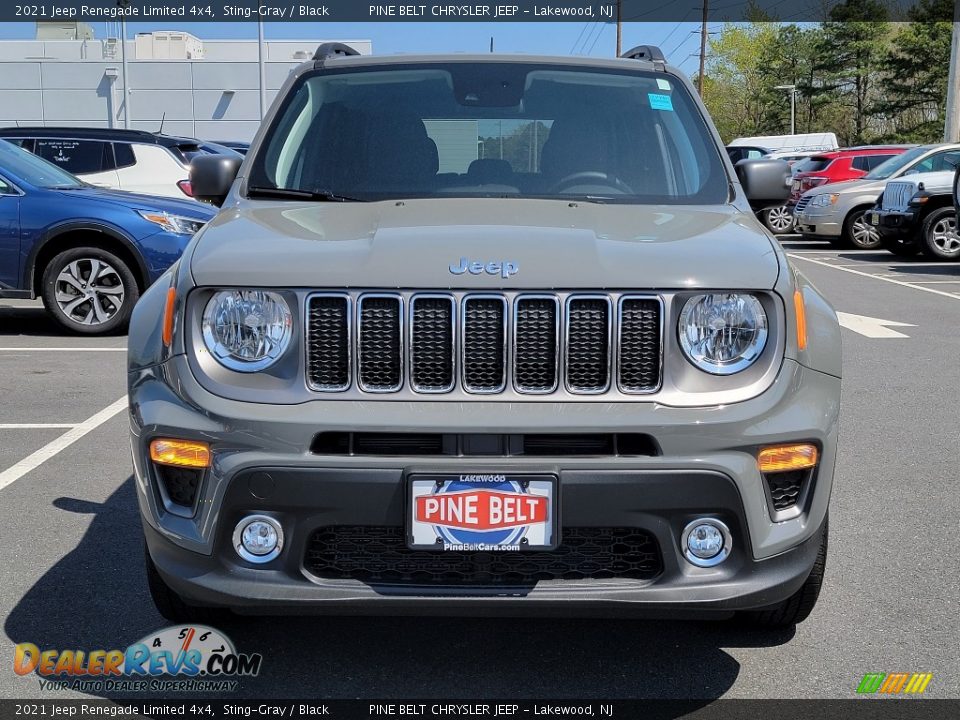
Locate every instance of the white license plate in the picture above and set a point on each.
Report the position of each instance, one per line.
(482, 513)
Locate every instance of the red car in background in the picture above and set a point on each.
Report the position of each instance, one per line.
(839, 165)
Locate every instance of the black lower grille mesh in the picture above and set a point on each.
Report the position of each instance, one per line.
(328, 342)
(588, 344)
(639, 366)
(535, 345)
(180, 484)
(379, 555)
(380, 364)
(432, 344)
(786, 487)
(484, 351)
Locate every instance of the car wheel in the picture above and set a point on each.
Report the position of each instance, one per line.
(89, 290)
(859, 232)
(779, 220)
(940, 238)
(796, 608)
(171, 605)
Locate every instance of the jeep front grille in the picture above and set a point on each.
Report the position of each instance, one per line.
(379, 555)
(484, 343)
(896, 195)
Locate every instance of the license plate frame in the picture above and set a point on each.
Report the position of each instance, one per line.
(509, 497)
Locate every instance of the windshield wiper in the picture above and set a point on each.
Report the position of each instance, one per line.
(286, 193)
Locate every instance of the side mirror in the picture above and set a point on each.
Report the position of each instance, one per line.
(212, 176)
(766, 182)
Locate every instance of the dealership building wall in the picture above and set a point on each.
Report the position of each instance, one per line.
(79, 83)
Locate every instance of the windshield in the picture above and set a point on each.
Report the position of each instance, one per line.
(896, 163)
(31, 169)
(492, 130)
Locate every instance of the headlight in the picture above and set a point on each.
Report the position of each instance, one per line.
(723, 333)
(247, 330)
(825, 199)
(173, 223)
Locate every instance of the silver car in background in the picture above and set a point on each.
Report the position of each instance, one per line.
(836, 212)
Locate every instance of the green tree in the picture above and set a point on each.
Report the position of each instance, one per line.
(850, 49)
(916, 69)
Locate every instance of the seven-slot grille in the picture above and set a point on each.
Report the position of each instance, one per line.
(896, 195)
(484, 343)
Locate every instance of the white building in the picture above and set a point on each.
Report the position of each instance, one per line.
(200, 88)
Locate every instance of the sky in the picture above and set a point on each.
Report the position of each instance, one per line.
(678, 40)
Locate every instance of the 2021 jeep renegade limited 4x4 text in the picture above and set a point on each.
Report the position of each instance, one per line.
(485, 335)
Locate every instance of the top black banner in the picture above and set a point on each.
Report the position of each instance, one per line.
(477, 10)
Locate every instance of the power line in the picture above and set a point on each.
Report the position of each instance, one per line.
(577, 41)
(602, 26)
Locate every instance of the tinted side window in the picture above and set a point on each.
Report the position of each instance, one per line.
(123, 155)
(946, 160)
(875, 160)
(861, 162)
(76, 156)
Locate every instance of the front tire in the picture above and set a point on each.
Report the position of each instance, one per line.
(89, 290)
(796, 608)
(859, 233)
(940, 238)
(779, 220)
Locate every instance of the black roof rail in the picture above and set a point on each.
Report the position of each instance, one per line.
(645, 52)
(333, 49)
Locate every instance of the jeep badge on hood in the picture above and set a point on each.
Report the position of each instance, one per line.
(504, 269)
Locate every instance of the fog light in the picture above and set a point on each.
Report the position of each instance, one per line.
(258, 539)
(706, 542)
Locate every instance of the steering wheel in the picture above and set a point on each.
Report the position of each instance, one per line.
(587, 177)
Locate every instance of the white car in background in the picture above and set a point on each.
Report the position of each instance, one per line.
(132, 160)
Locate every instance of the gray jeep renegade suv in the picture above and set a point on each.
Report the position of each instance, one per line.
(485, 335)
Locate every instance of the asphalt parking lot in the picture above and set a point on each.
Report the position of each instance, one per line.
(73, 574)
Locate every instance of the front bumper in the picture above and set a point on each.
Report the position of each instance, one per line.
(706, 467)
(894, 224)
(818, 224)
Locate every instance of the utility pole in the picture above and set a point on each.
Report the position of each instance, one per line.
(619, 26)
(703, 49)
(951, 132)
(261, 66)
(123, 5)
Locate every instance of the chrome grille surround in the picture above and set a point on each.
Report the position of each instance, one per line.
(417, 344)
(390, 339)
(312, 327)
(600, 328)
(469, 357)
(509, 380)
(550, 347)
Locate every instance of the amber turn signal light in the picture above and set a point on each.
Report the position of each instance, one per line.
(180, 453)
(782, 458)
(800, 311)
(168, 317)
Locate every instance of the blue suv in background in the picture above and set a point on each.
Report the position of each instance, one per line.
(88, 252)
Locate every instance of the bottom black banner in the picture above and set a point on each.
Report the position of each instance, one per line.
(858, 709)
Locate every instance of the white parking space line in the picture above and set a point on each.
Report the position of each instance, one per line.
(875, 277)
(36, 426)
(34, 460)
(62, 349)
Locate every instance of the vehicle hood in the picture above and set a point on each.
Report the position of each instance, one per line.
(136, 201)
(934, 182)
(413, 244)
